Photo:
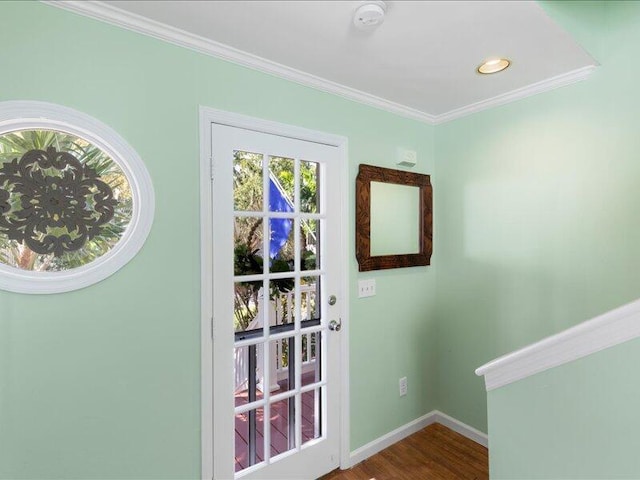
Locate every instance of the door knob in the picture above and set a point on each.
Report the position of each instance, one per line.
(335, 325)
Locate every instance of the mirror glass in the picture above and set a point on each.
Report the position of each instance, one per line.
(395, 219)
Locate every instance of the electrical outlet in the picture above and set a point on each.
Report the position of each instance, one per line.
(366, 288)
(403, 386)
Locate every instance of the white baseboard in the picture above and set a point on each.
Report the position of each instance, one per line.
(462, 428)
(435, 416)
(390, 438)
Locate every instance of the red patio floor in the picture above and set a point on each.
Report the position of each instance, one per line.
(279, 424)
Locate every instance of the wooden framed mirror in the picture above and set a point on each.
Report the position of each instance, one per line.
(394, 217)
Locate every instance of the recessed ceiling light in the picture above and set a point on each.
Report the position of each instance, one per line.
(493, 65)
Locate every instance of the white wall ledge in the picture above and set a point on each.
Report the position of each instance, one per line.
(607, 330)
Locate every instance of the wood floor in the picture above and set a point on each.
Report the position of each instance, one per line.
(434, 453)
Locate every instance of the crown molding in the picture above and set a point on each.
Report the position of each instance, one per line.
(518, 94)
(140, 24)
(607, 330)
(137, 23)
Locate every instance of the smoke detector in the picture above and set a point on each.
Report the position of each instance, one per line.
(369, 15)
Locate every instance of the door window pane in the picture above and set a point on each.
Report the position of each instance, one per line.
(281, 184)
(281, 245)
(310, 358)
(247, 181)
(282, 424)
(248, 306)
(283, 370)
(249, 438)
(282, 302)
(246, 374)
(248, 246)
(310, 298)
(309, 187)
(309, 244)
(311, 415)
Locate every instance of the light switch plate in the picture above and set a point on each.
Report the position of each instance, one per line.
(366, 288)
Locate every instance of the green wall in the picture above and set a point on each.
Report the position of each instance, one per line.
(576, 421)
(105, 382)
(537, 214)
(568, 249)
(535, 231)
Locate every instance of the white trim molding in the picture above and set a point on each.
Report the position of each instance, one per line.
(388, 439)
(140, 24)
(206, 301)
(546, 85)
(176, 36)
(435, 416)
(461, 428)
(607, 330)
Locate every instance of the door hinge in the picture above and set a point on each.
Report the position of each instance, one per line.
(211, 167)
(212, 329)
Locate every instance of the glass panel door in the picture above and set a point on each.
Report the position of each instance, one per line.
(285, 228)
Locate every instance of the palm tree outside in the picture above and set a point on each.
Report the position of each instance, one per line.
(101, 172)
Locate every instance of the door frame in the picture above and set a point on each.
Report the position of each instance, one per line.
(209, 116)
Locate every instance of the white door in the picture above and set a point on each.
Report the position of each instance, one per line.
(277, 243)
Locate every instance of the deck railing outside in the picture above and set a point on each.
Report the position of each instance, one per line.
(281, 310)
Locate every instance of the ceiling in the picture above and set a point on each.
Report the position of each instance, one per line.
(421, 62)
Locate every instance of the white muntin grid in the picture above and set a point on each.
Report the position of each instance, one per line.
(297, 332)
